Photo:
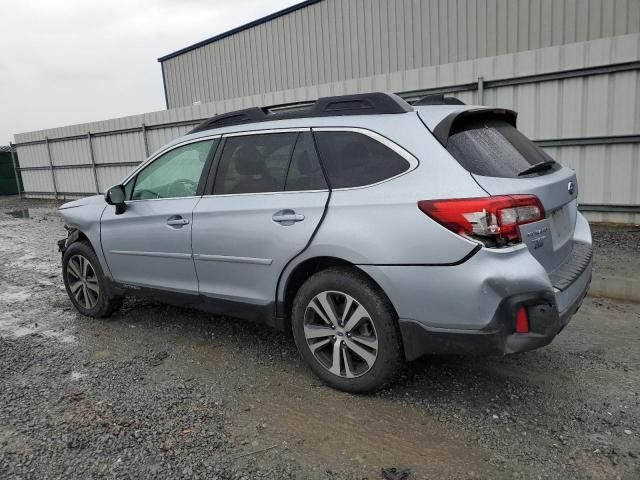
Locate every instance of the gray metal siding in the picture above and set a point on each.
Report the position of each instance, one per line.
(587, 106)
(337, 40)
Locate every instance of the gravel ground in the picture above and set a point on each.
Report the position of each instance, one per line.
(162, 392)
(618, 250)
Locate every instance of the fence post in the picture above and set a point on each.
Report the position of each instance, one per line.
(15, 167)
(93, 162)
(480, 90)
(53, 176)
(146, 143)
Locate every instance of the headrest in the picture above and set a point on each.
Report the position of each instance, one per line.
(248, 160)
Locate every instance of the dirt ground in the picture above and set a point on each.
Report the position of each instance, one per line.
(162, 392)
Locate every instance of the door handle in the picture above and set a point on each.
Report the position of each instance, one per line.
(287, 217)
(177, 221)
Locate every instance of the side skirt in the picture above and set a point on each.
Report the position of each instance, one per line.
(263, 314)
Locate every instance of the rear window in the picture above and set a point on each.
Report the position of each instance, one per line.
(493, 147)
(353, 160)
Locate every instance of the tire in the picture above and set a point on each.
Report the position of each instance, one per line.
(369, 351)
(92, 297)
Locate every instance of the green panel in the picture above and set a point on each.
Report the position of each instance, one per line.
(7, 175)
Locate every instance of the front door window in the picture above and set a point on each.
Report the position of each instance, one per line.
(175, 174)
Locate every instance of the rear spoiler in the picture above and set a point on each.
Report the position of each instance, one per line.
(442, 131)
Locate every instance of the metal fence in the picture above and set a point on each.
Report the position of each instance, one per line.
(581, 102)
(97, 172)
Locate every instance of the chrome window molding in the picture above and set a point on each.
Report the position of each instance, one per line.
(326, 190)
(164, 198)
(413, 161)
(267, 131)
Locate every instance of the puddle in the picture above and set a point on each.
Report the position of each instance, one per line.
(24, 213)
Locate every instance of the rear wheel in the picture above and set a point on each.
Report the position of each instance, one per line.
(345, 329)
(85, 282)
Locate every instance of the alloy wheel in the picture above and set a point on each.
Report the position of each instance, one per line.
(340, 334)
(83, 281)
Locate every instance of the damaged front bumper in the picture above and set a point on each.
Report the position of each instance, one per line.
(73, 235)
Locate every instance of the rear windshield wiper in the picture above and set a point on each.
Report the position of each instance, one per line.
(538, 167)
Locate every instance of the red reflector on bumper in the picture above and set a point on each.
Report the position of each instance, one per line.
(522, 320)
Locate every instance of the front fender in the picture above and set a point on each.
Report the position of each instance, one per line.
(73, 235)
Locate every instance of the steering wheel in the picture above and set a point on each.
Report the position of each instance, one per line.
(182, 187)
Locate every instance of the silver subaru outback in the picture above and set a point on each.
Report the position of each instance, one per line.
(376, 231)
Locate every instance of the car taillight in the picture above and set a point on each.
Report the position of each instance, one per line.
(487, 217)
(522, 321)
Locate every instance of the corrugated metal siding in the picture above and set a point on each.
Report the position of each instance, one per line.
(37, 180)
(598, 105)
(337, 40)
(125, 147)
(158, 137)
(71, 152)
(111, 175)
(33, 156)
(75, 180)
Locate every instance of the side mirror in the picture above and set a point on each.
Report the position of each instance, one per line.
(116, 196)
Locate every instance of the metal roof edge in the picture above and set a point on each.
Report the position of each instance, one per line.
(246, 26)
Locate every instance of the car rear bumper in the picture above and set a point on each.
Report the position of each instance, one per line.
(470, 308)
(545, 322)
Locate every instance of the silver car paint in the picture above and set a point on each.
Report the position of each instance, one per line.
(550, 240)
(84, 215)
(379, 228)
(466, 296)
(240, 251)
(142, 249)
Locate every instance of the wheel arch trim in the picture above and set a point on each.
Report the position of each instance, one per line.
(284, 297)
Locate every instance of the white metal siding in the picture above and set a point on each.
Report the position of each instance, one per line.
(337, 40)
(125, 147)
(111, 175)
(69, 152)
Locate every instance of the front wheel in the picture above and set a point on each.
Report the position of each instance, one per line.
(346, 330)
(85, 282)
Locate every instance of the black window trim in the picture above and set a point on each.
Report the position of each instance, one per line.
(410, 158)
(213, 172)
(133, 176)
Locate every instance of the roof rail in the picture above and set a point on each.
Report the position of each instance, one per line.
(359, 104)
(437, 99)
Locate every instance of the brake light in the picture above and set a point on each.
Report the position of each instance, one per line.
(522, 321)
(489, 217)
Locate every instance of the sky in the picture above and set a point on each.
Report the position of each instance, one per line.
(64, 62)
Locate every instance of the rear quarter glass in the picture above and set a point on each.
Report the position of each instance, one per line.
(353, 160)
(489, 146)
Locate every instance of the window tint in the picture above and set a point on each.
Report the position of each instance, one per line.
(254, 163)
(353, 159)
(305, 172)
(174, 174)
(492, 147)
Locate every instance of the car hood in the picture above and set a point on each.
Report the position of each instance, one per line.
(95, 199)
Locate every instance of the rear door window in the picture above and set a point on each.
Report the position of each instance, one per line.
(353, 159)
(493, 147)
(305, 172)
(254, 163)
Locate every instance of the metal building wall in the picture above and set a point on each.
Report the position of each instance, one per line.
(581, 101)
(337, 40)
